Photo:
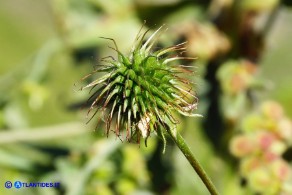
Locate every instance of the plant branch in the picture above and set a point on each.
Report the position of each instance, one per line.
(42, 133)
(180, 142)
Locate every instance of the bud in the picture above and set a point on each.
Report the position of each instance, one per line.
(285, 129)
(262, 181)
(281, 169)
(278, 147)
(265, 139)
(241, 145)
(272, 110)
(236, 76)
(249, 164)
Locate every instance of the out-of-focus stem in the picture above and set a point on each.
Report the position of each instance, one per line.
(43, 133)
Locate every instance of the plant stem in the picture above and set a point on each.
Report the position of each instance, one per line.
(180, 142)
(41, 134)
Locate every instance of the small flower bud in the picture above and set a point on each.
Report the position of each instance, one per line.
(272, 110)
(278, 147)
(249, 164)
(261, 181)
(285, 129)
(265, 139)
(281, 169)
(241, 145)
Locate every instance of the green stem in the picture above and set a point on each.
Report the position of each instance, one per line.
(41, 134)
(180, 142)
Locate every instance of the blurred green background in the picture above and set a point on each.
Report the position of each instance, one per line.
(48, 46)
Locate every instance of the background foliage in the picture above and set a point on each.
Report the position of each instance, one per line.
(48, 46)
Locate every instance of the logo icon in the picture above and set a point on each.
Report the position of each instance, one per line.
(17, 184)
(8, 184)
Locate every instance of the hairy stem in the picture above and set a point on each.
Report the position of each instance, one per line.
(180, 142)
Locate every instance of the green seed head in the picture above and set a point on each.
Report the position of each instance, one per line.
(139, 92)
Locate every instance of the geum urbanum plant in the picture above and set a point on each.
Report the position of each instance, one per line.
(142, 90)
